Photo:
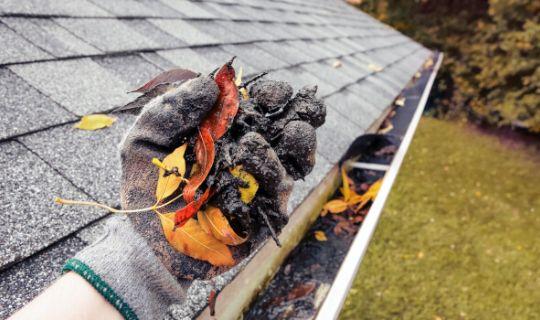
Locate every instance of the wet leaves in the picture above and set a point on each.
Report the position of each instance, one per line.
(94, 122)
(320, 235)
(192, 240)
(246, 193)
(335, 206)
(171, 172)
(214, 222)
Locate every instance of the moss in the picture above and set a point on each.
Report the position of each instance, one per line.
(459, 237)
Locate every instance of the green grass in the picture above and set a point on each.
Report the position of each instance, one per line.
(460, 235)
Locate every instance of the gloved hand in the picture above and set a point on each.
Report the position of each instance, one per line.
(272, 137)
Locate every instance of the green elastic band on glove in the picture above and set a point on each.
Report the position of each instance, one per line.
(101, 286)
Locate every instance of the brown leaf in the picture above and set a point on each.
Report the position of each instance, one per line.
(170, 76)
(171, 172)
(193, 241)
(344, 226)
(214, 222)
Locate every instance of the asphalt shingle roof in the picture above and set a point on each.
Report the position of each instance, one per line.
(61, 59)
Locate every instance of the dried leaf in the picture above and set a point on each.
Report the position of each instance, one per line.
(246, 194)
(370, 194)
(400, 102)
(169, 182)
(375, 67)
(214, 222)
(355, 198)
(417, 75)
(335, 206)
(94, 122)
(320, 236)
(187, 212)
(345, 189)
(238, 80)
(193, 241)
(204, 153)
(170, 76)
(337, 64)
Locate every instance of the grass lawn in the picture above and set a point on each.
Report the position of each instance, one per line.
(460, 235)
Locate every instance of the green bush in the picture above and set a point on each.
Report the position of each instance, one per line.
(491, 71)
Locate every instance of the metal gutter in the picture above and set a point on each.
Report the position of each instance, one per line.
(331, 307)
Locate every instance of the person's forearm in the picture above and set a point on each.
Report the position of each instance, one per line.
(70, 297)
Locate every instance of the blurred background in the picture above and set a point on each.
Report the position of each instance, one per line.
(459, 238)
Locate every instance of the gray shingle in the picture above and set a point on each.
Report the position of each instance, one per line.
(126, 8)
(187, 58)
(28, 187)
(354, 108)
(25, 280)
(189, 9)
(94, 162)
(81, 85)
(184, 31)
(107, 34)
(50, 37)
(218, 30)
(158, 60)
(133, 69)
(335, 135)
(52, 7)
(149, 30)
(16, 49)
(286, 53)
(25, 109)
(255, 57)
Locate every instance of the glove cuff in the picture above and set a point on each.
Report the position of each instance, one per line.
(126, 272)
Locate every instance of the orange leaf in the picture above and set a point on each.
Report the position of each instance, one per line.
(185, 213)
(335, 206)
(167, 184)
(193, 241)
(214, 222)
(370, 194)
(346, 189)
(320, 236)
(205, 153)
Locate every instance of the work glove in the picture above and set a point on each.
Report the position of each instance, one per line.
(272, 138)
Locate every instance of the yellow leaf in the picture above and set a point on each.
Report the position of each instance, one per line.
(355, 198)
(193, 241)
(238, 80)
(244, 93)
(171, 172)
(335, 206)
(94, 122)
(320, 235)
(246, 194)
(214, 222)
(375, 67)
(400, 102)
(345, 189)
(370, 194)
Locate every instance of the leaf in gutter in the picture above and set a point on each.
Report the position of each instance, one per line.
(345, 189)
(375, 67)
(369, 195)
(171, 172)
(334, 206)
(193, 241)
(400, 102)
(170, 76)
(214, 222)
(320, 236)
(386, 129)
(94, 122)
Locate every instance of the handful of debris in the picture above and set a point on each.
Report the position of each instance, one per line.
(215, 158)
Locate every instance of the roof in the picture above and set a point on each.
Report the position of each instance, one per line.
(65, 58)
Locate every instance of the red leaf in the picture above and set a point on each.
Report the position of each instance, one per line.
(184, 214)
(170, 76)
(204, 153)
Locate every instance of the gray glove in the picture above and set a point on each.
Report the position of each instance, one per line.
(272, 137)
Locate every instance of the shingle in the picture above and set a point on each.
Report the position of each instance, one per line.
(158, 60)
(94, 161)
(16, 49)
(335, 135)
(217, 57)
(218, 30)
(302, 188)
(308, 78)
(189, 59)
(107, 34)
(286, 53)
(50, 37)
(223, 11)
(25, 280)
(133, 70)
(243, 31)
(25, 109)
(354, 108)
(256, 57)
(149, 30)
(189, 9)
(369, 93)
(333, 76)
(30, 219)
(52, 7)
(184, 31)
(126, 8)
(81, 85)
